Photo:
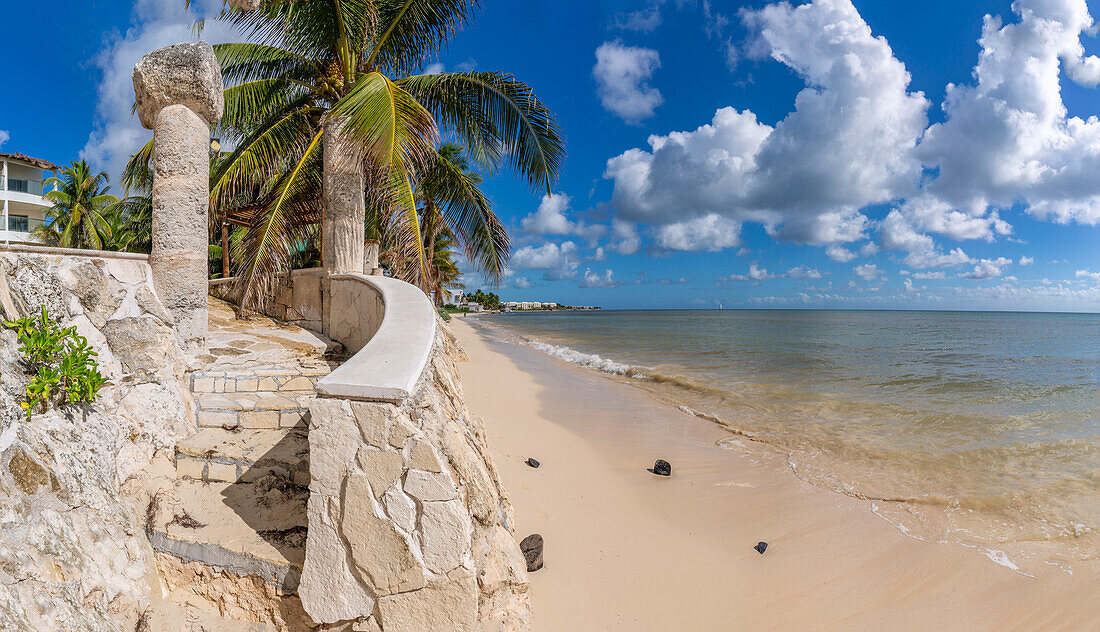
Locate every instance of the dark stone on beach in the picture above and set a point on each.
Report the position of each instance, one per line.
(662, 468)
(532, 551)
(761, 547)
(532, 462)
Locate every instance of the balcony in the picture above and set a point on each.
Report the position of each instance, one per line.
(32, 187)
(19, 229)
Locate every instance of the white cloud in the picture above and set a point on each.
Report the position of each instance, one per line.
(116, 133)
(560, 261)
(756, 273)
(987, 268)
(522, 283)
(5, 136)
(849, 142)
(840, 253)
(643, 20)
(803, 272)
(622, 76)
(929, 275)
(1086, 274)
(1008, 136)
(867, 272)
(709, 232)
(1026, 261)
(627, 241)
(591, 279)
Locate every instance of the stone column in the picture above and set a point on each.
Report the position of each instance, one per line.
(342, 225)
(179, 96)
(370, 259)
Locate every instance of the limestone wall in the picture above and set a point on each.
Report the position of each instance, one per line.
(409, 526)
(74, 481)
(295, 298)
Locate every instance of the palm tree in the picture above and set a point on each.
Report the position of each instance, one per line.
(352, 63)
(81, 216)
(444, 273)
(450, 203)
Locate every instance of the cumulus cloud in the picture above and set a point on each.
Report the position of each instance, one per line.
(840, 253)
(1008, 136)
(627, 241)
(1087, 274)
(622, 76)
(803, 272)
(850, 141)
(1026, 261)
(709, 232)
(756, 273)
(987, 268)
(930, 275)
(867, 272)
(551, 218)
(591, 279)
(116, 133)
(560, 261)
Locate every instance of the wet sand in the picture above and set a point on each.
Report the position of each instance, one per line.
(626, 550)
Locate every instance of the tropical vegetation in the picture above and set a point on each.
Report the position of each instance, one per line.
(357, 63)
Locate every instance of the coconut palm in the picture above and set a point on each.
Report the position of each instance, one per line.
(444, 272)
(354, 63)
(451, 203)
(79, 217)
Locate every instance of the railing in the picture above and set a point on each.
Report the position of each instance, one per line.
(19, 185)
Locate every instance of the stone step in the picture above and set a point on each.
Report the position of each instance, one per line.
(253, 410)
(264, 378)
(256, 528)
(228, 456)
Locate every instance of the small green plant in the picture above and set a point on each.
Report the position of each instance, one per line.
(61, 361)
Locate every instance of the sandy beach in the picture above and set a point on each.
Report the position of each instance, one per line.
(626, 550)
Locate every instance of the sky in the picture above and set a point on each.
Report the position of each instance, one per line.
(824, 154)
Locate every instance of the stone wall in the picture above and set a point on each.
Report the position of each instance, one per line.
(295, 298)
(355, 313)
(74, 481)
(409, 526)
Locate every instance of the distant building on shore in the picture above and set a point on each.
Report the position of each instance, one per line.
(22, 196)
(518, 306)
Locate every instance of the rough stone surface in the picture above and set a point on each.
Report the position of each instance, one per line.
(532, 551)
(443, 606)
(444, 535)
(379, 552)
(75, 481)
(185, 74)
(181, 190)
(444, 513)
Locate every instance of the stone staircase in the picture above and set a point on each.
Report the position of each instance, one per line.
(230, 530)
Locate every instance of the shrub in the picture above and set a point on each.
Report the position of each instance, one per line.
(443, 313)
(61, 361)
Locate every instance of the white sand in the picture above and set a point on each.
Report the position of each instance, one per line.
(626, 550)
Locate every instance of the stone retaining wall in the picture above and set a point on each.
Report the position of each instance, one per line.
(409, 526)
(74, 481)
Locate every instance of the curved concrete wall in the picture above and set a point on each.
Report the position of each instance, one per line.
(391, 326)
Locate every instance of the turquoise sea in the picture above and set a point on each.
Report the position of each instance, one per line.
(976, 427)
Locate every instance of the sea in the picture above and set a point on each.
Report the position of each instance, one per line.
(978, 428)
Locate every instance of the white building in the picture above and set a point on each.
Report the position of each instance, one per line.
(21, 192)
(453, 296)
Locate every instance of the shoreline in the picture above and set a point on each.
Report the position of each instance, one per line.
(628, 551)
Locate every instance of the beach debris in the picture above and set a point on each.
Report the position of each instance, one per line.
(761, 547)
(532, 551)
(532, 462)
(662, 468)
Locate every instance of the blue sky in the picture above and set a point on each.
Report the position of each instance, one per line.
(871, 154)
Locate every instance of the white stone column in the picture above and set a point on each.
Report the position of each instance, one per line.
(179, 96)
